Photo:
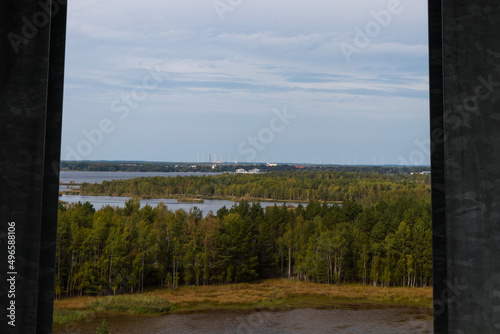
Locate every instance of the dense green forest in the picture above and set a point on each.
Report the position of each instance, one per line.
(303, 186)
(124, 250)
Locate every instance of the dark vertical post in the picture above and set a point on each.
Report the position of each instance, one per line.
(437, 165)
(53, 128)
(470, 204)
(32, 37)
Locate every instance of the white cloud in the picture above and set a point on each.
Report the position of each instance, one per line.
(262, 56)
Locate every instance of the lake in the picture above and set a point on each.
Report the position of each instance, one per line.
(209, 205)
(298, 321)
(101, 201)
(98, 177)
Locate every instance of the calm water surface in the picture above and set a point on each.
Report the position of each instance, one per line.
(101, 201)
(209, 205)
(98, 177)
(299, 321)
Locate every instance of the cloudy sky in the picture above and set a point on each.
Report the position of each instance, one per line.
(315, 81)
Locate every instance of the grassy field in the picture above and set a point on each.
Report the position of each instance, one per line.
(269, 294)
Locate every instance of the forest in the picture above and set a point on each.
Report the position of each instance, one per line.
(304, 186)
(380, 234)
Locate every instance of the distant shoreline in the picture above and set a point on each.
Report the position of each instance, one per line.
(181, 198)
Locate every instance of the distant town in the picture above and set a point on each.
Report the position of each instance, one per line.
(232, 167)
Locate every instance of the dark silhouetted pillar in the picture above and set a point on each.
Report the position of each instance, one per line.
(32, 49)
(465, 122)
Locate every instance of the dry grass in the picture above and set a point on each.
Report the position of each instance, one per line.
(62, 316)
(133, 304)
(74, 303)
(273, 293)
(281, 291)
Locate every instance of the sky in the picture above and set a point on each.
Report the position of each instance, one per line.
(317, 81)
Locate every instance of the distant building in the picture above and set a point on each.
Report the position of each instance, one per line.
(271, 165)
(425, 172)
(253, 171)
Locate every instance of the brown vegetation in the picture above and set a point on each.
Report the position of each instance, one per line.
(276, 292)
(272, 294)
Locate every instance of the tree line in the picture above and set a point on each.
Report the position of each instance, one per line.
(124, 250)
(144, 166)
(293, 186)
